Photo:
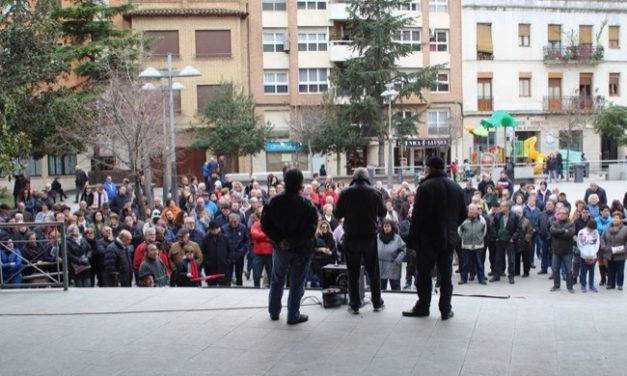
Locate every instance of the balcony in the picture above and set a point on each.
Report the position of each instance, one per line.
(341, 50)
(484, 104)
(442, 130)
(338, 11)
(581, 54)
(576, 104)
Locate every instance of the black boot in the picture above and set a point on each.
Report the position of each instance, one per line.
(603, 272)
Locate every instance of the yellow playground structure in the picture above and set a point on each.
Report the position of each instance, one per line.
(532, 153)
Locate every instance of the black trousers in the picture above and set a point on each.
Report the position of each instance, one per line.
(425, 260)
(505, 249)
(355, 249)
(526, 261)
(238, 267)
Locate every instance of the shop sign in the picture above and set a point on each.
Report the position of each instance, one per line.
(425, 142)
(283, 146)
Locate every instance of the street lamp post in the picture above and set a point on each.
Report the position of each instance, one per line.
(169, 73)
(389, 94)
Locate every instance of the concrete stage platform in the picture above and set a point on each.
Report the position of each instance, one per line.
(528, 331)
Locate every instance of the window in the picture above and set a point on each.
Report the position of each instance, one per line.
(413, 5)
(411, 37)
(213, 43)
(313, 80)
(275, 82)
(441, 83)
(614, 84)
(439, 40)
(524, 86)
(164, 42)
(273, 40)
(438, 123)
(312, 40)
(176, 97)
(585, 36)
(312, 5)
(555, 92)
(204, 94)
(484, 41)
(438, 6)
(524, 32)
(576, 140)
(274, 5)
(484, 92)
(555, 36)
(62, 165)
(33, 166)
(614, 37)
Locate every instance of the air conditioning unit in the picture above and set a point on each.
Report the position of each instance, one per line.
(286, 43)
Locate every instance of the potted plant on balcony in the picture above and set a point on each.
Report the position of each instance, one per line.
(599, 51)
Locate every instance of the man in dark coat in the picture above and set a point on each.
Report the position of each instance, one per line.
(506, 227)
(238, 237)
(594, 188)
(118, 261)
(79, 181)
(289, 219)
(361, 206)
(438, 211)
(215, 249)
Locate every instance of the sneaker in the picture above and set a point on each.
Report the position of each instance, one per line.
(416, 312)
(571, 290)
(554, 288)
(593, 289)
(379, 308)
(584, 289)
(542, 272)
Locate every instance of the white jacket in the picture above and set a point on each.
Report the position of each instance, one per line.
(588, 243)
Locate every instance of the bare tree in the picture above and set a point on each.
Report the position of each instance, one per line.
(304, 126)
(126, 123)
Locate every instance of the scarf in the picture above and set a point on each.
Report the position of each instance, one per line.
(386, 238)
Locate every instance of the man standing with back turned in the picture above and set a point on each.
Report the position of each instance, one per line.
(360, 205)
(438, 211)
(289, 220)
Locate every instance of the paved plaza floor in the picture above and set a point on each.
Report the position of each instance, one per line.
(520, 329)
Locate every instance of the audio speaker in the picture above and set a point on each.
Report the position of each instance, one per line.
(335, 285)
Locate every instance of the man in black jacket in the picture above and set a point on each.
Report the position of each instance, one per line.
(438, 211)
(562, 233)
(118, 261)
(506, 225)
(216, 249)
(289, 220)
(361, 205)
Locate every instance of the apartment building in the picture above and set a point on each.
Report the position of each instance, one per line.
(211, 36)
(295, 45)
(551, 64)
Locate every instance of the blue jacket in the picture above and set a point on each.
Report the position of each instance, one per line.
(602, 223)
(238, 239)
(9, 257)
(111, 189)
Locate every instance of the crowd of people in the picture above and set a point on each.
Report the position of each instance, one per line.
(210, 233)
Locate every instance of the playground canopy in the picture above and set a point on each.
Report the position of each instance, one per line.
(500, 119)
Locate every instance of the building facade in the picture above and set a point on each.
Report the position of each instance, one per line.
(552, 65)
(211, 36)
(294, 45)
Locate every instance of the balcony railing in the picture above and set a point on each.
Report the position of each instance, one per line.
(441, 130)
(581, 54)
(578, 103)
(484, 103)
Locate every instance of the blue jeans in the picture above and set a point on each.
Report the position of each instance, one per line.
(297, 263)
(545, 261)
(475, 256)
(395, 284)
(558, 261)
(616, 273)
(587, 270)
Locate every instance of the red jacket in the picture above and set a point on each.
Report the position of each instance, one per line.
(323, 198)
(262, 245)
(140, 254)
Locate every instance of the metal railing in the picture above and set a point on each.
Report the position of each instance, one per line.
(583, 53)
(577, 103)
(39, 263)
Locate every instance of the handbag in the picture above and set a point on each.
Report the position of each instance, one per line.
(78, 268)
(618, 250)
